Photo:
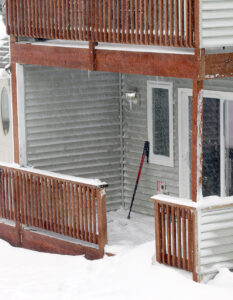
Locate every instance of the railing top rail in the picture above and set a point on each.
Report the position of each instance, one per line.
(96, 183)
(174, 201)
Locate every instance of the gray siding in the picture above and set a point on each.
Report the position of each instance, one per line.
(216, 23)
(215, 240)
(73, 125)
(135, 133)
(4, 52)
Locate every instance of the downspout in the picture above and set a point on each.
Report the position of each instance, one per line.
(121, 141)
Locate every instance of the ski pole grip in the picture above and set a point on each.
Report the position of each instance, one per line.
(146, 150)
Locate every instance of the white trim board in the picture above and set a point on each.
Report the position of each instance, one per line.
(21, 115)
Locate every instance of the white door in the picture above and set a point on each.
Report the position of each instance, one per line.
(217, 143)
(6, 141)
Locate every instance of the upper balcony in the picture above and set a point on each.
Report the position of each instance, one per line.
(144, 22)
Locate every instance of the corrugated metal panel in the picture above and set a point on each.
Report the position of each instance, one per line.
(215, 240)
(135, 133)
(4, 52)
(216, 23)
(73, 125)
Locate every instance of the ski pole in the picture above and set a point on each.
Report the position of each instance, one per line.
(144, 154)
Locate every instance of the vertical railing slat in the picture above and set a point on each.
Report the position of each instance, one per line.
(78, 212)
(57, 206)
(73, 187)
(161, 22)
(182, 23)
(81, 211)
(168, 235)
(184, 239)
(141, 22)
(163, 234)
(118, 21)
(69, 209)
(93, 200)
(179, 237)
(173, 237)
(189, 241)
(158, 231)
(7, 194)
(151, 10)
(146, 21)
(85, 213)
(39, 200)
(101, 20)
(89, 215)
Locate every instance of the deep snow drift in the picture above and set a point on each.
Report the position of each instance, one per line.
(130, 275)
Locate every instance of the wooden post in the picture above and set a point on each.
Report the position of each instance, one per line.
(92, 55)
(102, 219)
(197, 139)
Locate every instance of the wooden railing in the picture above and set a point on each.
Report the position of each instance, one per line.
(53, 203)
(146, 22)
(175, 235)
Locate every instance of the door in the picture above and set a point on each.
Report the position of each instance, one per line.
(217, 143)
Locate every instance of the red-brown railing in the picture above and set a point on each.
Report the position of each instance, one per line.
(146, 22)
(175, 236)
(63, 206)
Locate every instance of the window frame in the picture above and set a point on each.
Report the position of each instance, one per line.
(162, 160)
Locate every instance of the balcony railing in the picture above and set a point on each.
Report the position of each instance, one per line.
(145, 22)
(54, 203)
(175, 234)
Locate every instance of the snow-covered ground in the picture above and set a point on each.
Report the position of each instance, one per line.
(130, 275)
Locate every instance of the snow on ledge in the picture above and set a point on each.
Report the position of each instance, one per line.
(93, 182)
(112, 46)
(204, 203)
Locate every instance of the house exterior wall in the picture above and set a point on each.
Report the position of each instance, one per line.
(215, 241)
(73, 125)
(4, 52)
(216, 23)
(135, 131)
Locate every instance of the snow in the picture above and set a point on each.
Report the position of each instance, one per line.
(92, 182)
(132, 274)
(203, 203)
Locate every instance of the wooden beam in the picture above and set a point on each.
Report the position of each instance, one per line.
(154, 64)
(218, 65)
(50, 56)
(197, 138)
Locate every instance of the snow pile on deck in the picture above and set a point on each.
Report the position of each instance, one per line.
(130, 275)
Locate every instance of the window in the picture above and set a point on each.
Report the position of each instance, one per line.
(5, 111)
(160, 122)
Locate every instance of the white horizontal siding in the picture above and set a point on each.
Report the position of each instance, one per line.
(135, 133)
(216, 23)
(73, 125)
(215, 240)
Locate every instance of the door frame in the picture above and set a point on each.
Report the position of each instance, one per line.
(183, 129)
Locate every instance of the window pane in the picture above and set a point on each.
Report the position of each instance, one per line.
(160, 104)
(211, 147)
(229, 146)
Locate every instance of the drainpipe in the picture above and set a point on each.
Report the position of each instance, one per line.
(121, 141)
